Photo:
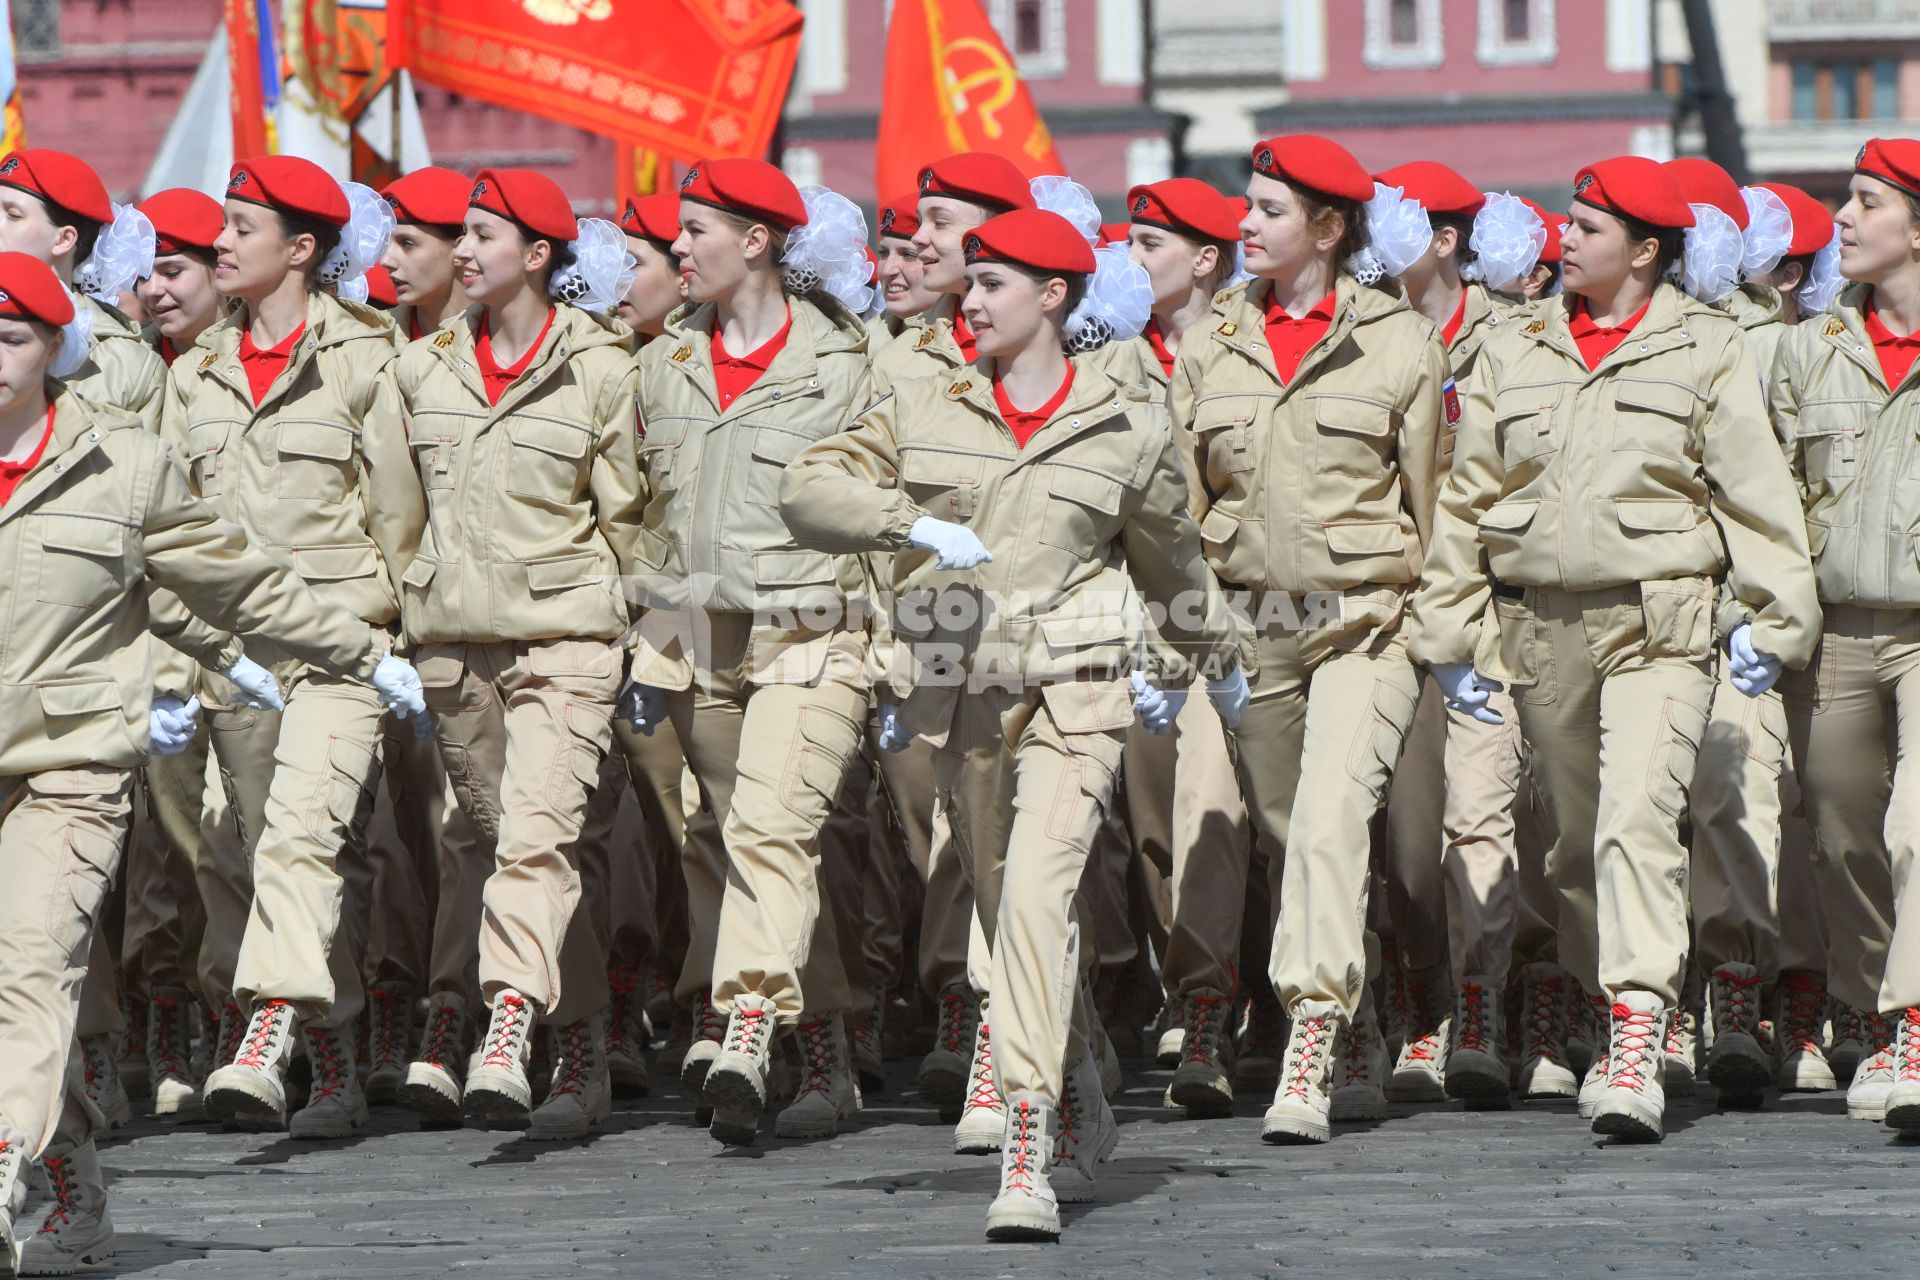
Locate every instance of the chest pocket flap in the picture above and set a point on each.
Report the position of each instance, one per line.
(1524, 402)
(557, 439)
(335, 564)
(82, 535)
(1353, 415)
(1094, 490)
(327, 440)
(1669, 398)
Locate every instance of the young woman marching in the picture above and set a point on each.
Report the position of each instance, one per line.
(1843, 394)
(900, 272)
(520, 415)
(291, 427)
(1614, 464)
(1018, 631)
(1311, 406)
(429, 206)
(752, 646)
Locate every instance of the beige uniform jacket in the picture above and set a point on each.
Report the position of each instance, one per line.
(712, 476)
(533, 504)
(924, 347)
(104, 513)
(1854, 447)
(1324, 483)
(1761, 314)
(1092, 506)
(1653, 467)
(318, 474)
(123, 369)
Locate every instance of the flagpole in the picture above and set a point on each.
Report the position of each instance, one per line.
(393, 87)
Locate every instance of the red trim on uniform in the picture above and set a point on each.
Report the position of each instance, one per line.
(263, 365)
(964, 336)
(1595, 342)
(1451, 329)
(12, 473)
(1896, 353)
(1158, 342)
(1025, 424)
(1291, 339)
(733, 375)
(494, 378)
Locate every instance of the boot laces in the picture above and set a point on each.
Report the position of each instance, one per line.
(1264, 1021)
(1734, 1002)
(330, 1069)
(1543, 1019)
(624, 980)
(1473, 1017)
(1909, 1046)
(388, 1038)
(709, 1023)
(573, 1045)
(1805, 1001)
(1353, 1052)
(1022, 1148)
(952, 1033)
(816, 1057)
(752, 1031)
(1878, 1030)
(983, 1092)
(509, 1029)
(233, 1032)
(1067, 1140)
(168, 1052)
(1634, 1032)
(93, 1068)
(60, 1179)
(1308, 1046)
(1423, 1030)
(1203, 1027)
(437, 1045)
(1675, 1044)
(265, 1028)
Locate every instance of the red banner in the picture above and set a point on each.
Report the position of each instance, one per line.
(951, 86)
(249, 100)
(687, 78)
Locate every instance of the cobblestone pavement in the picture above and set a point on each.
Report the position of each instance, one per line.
(1795, 1190)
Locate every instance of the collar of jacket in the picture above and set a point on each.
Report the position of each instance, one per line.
(1666, 327)
(108, 322)
(820, 328)
(932, 331)
(1482, 319)
(79, 426)
(330, 322)
(1239, 321)
(1752, 305)
(1844, 328)
(572, 331)
(1096, 396)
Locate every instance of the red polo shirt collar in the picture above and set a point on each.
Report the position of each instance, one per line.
(1026, 424)
(733, 375)
(1291, 339)
(1158, 341)
(1896, 354)
(262, 366)
(494, 378)
(12, 473)
(1595, 342)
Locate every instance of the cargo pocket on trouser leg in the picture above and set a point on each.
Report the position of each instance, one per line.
(575, 770)
(83, 813)
(341, 793)
(1676, 751)
(1375, 749)
(816, 762)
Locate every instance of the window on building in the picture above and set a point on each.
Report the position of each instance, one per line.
(1886, 89)
(1404, 25)
(1517, 33)
(1846, 90)
(1403, 34)
(1516, 20)
(36, 26)
(1806, 91)
(1028, 34)
(1035, 32)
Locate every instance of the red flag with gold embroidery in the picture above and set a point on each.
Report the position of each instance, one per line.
(951, 86)
(688, 78)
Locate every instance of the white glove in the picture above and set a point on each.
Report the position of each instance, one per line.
(1229, 696)
(171, 724)
(954, 544)
(643, 706)
(258, 688)
(1753, 672)
(1467, 690)
(1156, 707)
(398, 685)
(894, 736)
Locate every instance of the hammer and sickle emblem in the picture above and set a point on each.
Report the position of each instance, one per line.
(995, 74)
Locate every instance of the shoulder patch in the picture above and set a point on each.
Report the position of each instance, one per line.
(443, 339)
(1834, 328)
(1450, 398)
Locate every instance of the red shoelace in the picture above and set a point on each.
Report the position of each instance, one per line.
(168, 1054)
(1736, 1011)
(60, 1179)
(1311, 1038)
(510, 1017)
(1633, 1036)
(816, 1056)
(1472, 1030)
(1020, 1154)
(1543, 1018)
(952, 1033)
(1208, 1011)
(261, 1033)
(438, 1045)
(330, 1067)
(571, 1053)
(986, 1092)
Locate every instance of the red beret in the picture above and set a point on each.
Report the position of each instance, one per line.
(1552, 221)
(1812, 221)
(901, 219)
(380, 290)
(1435, 187)
(653, 218)
(1114, 232)
(750, 187)
(1704, 182)
(288, 184)
(531, 199)
(1895, 161)
(873, 265)
(1319, 164)
(1634, 187)
(978, 177)
(30, 291)
(58, 178)
(183, 219)
(1186, 206)
(1031, 238)
(430, 197)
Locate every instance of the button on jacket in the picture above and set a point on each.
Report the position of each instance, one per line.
(1324, 483)
(533, 504)
(1655, 466)
(1854, 447)
(106, 511)
(1099, 483)
(318, 473)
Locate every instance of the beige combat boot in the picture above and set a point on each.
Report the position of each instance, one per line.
(76, 1230)
(1545, 1073)
(336, 1106)
(1736, 1063)
(709, 1033)
(581, 1094)
(1419, 1072)
(1301, 1104)
(826, 1094)
(1359, 1069)
(14, 1163)
(736, 1084)
(983, 1115)
(867, 1047)
(1476, 1071)
(100, 1069)
(389, 1041)
(170, 1052)
(625, 1044)
(1633, 1104)
(1903, 1099)
(1873, 1079)
(498, 1092)
(436, 1078)
(1799, 1047)
(1203, 1082)
(1087, 1134)
(250, 1091)
(1025, 1208)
